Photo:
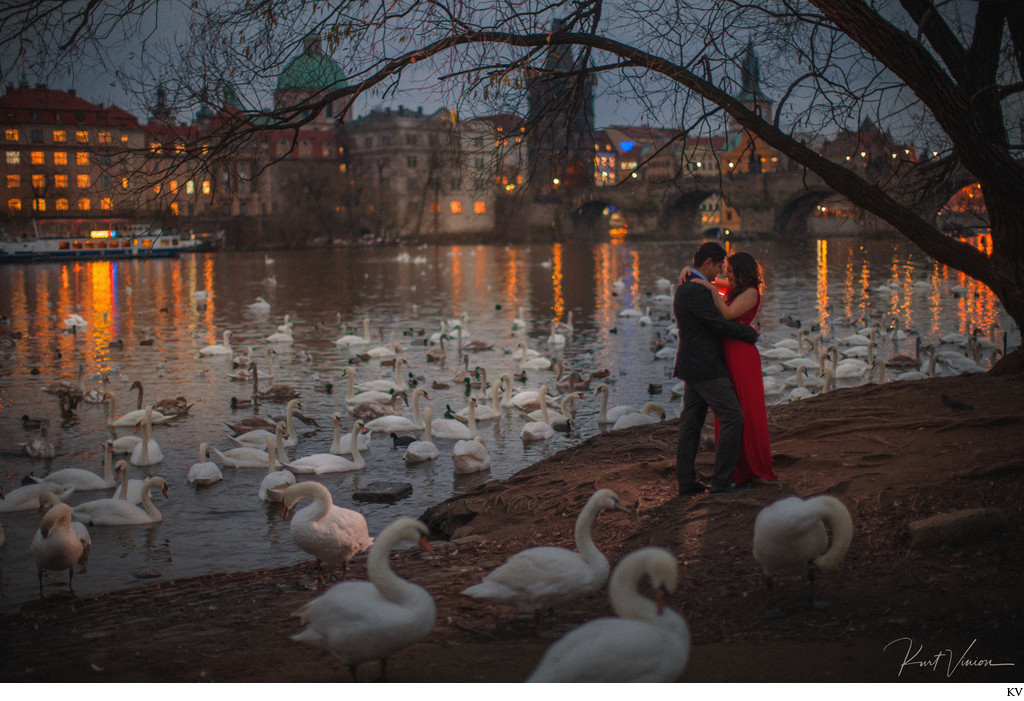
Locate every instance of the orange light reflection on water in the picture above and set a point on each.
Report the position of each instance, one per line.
(558, 306)
(456, 287)
(822, 283)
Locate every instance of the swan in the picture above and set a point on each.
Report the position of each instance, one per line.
(555, 338)
(352, 399)
(538, 579)
(453, 428)
(610, 416)
(324, 463)
(424, 449)
(243, 360)
(260, 306)
(539, 430)
(384, 352)
(41, 447)
(252, 457)
(353, 340)
(205, 471)
(517, 320)
(85, 480)
(148, 451)
(329, 533)
(645, 318)
(630, 312)
(919, 375)
(259, 436)
(563, 414)
(274, 393)
(645, 642)
(646, 415)
(471, 456)
(47, 500)
(75, 321)
(538, 363)
(26, 498)
(170, 408)
(284, 337)
(396, 385)
(790, 538)
(73, 388)
(132, 417)
(119, 512)
(399, 424)
(338, 447)
(56, 545)
(485, 413)
(223, 348)
(275, 482)
(361, 621)
(527, 400)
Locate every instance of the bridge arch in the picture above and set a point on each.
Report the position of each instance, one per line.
(793, 216)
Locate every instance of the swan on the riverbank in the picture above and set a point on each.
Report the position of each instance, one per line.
(119, 512)
(205, 471)
(56, 545)
(329, 533)
(645, 642)
(537, 579)
(362, 621)
(649, 413)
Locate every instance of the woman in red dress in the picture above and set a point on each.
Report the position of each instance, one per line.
(741, 302)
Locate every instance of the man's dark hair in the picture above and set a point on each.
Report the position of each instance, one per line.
(708, 249)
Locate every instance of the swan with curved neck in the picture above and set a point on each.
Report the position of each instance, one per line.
(147, 452)
(540, 578)
(649, 413)
(610, 416)
(249, 456)
(118, 512)
(275, 482)
(362, 621)
(259, 436)
(329, 533)
(85, 480)
(56, 546)
(324, 463)
(223, 348)
(398, 424)
(205, 471)
(645, 642)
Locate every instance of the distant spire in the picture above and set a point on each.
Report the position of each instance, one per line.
(750, 77)
(160, 109)
(231, 97)
(23, 81)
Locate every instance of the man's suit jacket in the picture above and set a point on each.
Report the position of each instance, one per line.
(701, 328)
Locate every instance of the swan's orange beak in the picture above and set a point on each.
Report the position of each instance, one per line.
(164, 490)
(660, 595)
(425, 544)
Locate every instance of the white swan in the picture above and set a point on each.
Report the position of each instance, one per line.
(324, 463)
(250, 456)
(790, 537)
(424, 449)
(329, 533)
(399, 424)
(484, 412)
(361, 621)
(539, 430)
(610, 416)
(645, 643)
(118, 512)
(205, 471)
(538, 362)
(649, 413)
(56, 545)
(260, 306)
(284, 337)
(275, 482)
(396, 385)
(384, 352)
(85, 480)
(26, 498)
(471, 456)
(455, 429)
(47, 500)
(130, 418)
(41, 447)
(537, 579)
(339, 447)
(223, 348)
(147, 452)
(125, 444)
(562, 415)
(352, 399)
(555, 338)
(354, 340)
(129, 490)
(258, 437)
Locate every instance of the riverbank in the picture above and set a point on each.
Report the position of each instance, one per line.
(895, 455)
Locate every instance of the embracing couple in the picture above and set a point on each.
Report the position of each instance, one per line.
(721, 368)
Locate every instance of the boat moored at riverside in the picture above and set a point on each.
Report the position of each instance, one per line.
(91, 239)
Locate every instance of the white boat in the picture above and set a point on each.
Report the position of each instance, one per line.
(95, 239)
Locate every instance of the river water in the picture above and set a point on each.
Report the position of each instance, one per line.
(224, 527)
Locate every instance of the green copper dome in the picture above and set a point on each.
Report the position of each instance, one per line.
(313, 71)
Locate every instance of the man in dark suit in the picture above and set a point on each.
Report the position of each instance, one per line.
(700, 362)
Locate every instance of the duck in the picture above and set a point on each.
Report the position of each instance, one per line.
(85, 480)
(453, 428)
(41, 447)
(259, 436)
(148, 451)
(542, 429)
(222, 348)
(249, 456)
(205, 471)
(275, 482)
(401, 424)
(644, 642)
(790, 538)
(131, 418)
(610, 416)
(56, 545)
(275, 393)
(260, 306)
(329, 533)
(649, 413)
(119, 512)
(423, 449)
(354, 340)
(363, 621)
(471, 456)
(538, 579)
(26, 497)
(178, 406)
(325, 463)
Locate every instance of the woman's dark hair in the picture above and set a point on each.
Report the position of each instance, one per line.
(746, 271)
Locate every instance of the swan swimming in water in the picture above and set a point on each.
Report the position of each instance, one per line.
(118, 512)
(26, 498)
(252, 457)
(205, 471)
(223, 348)
(148, 451)
(85, 480)
(645, 642)
(649, 413)
(275, 482)
(362, 621)
(422, 450)
(539, 430)
(325, 463)
(400, 424)
(471, 456)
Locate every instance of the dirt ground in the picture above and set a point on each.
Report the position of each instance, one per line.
(894, 454)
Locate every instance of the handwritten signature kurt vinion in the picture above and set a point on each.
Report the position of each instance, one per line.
(945, 658)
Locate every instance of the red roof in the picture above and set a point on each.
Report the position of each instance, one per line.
(39, 105)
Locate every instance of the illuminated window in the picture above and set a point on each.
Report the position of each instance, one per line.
(124, 138)
(519, 180)
(83, 180)
(62, 204)
(180, 148)
(38, 204)
(108, 203)
(206, 187)
(13, 181)
(103, 137)
(60, 158)
(37, 158)
(174, 208)
(435, 207)
(60, 180)
(83, 204)
(174, 186)
(190, 187)
(82, 136)
(154, 147)
(14, 205)
(11, 134)
(156, 189)
(124, 183)
(38, 180)
(456, 207)
(480, 207)
(342, 168)
(59, 136)
(13, 158)
(82, 158)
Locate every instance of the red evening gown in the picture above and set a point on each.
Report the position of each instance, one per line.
(744, 364)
